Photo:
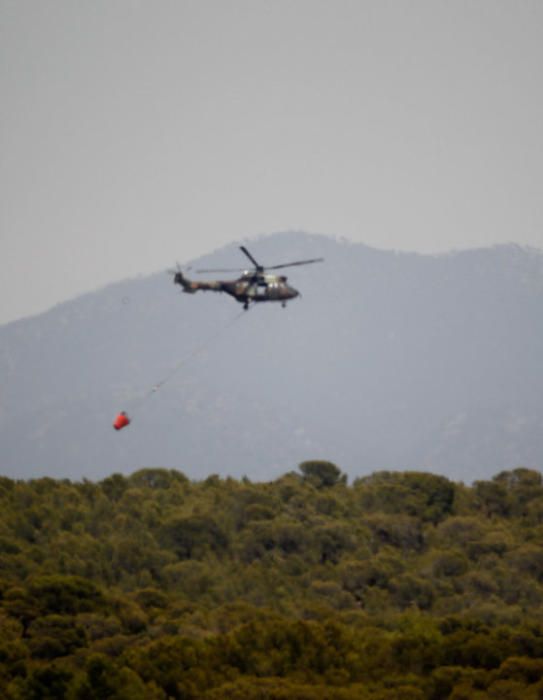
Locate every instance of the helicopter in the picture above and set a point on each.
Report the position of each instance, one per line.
(254, 285)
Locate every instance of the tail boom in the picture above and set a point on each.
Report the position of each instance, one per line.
(191, 287)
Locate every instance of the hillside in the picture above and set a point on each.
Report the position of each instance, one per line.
(151, 586)
(388, 361)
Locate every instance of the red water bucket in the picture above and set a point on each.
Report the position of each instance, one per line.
(121, 421)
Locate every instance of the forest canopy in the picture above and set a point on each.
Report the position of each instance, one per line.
(152, 586)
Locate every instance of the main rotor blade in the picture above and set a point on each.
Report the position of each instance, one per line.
(177, 269)
(224, 269)
(297, 262)
(244, 250)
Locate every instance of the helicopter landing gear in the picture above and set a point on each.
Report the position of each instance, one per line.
(246, 305)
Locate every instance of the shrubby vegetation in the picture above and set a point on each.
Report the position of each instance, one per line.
(401, 585)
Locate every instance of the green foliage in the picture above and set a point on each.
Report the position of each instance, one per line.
(322, 473)
(192, 537)
(150, 586)
(47, 683)
(65, 594)
(419, 494)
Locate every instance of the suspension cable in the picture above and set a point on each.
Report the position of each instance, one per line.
(137, 402)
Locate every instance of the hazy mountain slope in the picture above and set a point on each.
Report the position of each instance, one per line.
(388, 361)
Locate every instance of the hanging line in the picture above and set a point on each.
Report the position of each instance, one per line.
(197, 351)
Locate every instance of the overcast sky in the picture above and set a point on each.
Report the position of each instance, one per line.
(135, 133)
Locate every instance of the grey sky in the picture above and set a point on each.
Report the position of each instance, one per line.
(137, 133)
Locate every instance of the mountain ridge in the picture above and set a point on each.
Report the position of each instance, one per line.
(389, 360)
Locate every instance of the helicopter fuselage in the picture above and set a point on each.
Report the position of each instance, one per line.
(248, 288)
(253, 285)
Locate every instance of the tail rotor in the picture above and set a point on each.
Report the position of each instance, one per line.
(177, 274)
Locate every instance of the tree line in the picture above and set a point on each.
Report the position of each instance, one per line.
(152, 586)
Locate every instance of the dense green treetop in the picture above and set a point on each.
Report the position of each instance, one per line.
(403, 584)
